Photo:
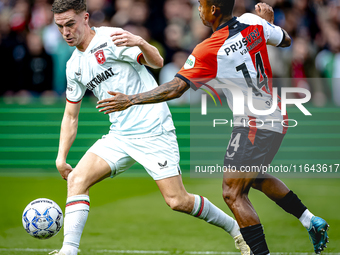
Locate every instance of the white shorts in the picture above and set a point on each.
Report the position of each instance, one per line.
(159, 154)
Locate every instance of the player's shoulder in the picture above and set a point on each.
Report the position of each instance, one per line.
(208, 47)
(71, 61)
(252, 19)
(106, 31)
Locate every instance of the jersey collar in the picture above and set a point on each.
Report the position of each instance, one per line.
(230, 22)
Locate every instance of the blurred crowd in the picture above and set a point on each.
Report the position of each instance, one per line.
(33, 53)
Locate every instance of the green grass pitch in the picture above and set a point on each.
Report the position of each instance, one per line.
(129, 214)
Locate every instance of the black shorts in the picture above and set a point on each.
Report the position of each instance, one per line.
(251, 147)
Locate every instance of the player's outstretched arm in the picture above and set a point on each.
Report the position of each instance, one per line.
(151, 56)
(164, 92)
(68, 132)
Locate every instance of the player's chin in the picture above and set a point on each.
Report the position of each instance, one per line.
(71, 42)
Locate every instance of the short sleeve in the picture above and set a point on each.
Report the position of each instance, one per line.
(200, 67)
(74, 91)
(273, 34)
(128, 54)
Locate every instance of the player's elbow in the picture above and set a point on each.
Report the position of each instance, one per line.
(287, 42)
(159, 63)
(176, 94)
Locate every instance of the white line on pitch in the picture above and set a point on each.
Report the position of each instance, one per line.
(161, 252)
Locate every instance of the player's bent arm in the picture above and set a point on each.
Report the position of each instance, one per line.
(68, 132)
(286, 41)
(151, 56)
(164, 92)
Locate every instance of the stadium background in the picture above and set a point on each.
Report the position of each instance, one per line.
(128, 215)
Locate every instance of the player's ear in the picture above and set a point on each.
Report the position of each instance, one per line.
(86, 17)
(215, 10)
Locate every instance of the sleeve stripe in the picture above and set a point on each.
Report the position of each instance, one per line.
(72, 102)
(138, 58)
(283, 38)
(192, 85)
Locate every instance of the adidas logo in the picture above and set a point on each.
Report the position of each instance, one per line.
(163, 165)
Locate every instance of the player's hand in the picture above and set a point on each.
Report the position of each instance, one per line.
(118, 102)
(125, 38)
(64, 169)
(265, 11)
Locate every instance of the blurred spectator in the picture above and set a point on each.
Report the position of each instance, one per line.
(38, 72)
(145, 34)
(173, 34)
(60, 52)
(100, 11)
(122, 15)
(169, 71)
(40, 14)
(303, 71)
(173, 26)
(328, 62)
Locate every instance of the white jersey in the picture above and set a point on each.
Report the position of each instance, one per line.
(105, 67)
(235, 57)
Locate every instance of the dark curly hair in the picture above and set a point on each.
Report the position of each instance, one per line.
(226, 6)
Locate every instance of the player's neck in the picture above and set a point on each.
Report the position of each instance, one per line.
(220, 21)
(89, 34)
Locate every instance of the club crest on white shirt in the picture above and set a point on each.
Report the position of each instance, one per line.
(100, 57)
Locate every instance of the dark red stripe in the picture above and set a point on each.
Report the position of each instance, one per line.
(78, 202)
(138, 58)
(202, 205)
(252, 129)
(73, 102)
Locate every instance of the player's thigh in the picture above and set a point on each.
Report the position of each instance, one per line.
(245, 156)
(90, 170)
(159, 155)
(110, 149)
(249, 150)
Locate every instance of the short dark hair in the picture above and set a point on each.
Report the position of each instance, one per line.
(60, 6)
(226, 6)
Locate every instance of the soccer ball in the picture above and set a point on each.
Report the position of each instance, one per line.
(42, 218)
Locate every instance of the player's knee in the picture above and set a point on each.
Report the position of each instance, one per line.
(176, 203)
(75, 180)
(230, 193)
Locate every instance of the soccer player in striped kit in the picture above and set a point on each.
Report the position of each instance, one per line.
(143, 134)
(237, 52)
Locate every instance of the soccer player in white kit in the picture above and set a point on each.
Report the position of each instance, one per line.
(237, 52)
(143, 134)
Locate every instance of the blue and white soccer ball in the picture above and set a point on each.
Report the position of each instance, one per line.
(42, 218)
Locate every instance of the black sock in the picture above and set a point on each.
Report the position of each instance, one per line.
(292, 204)
(254, 237)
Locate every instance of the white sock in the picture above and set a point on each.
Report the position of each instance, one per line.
(207, 211)
(77, 209)
(306, 218)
